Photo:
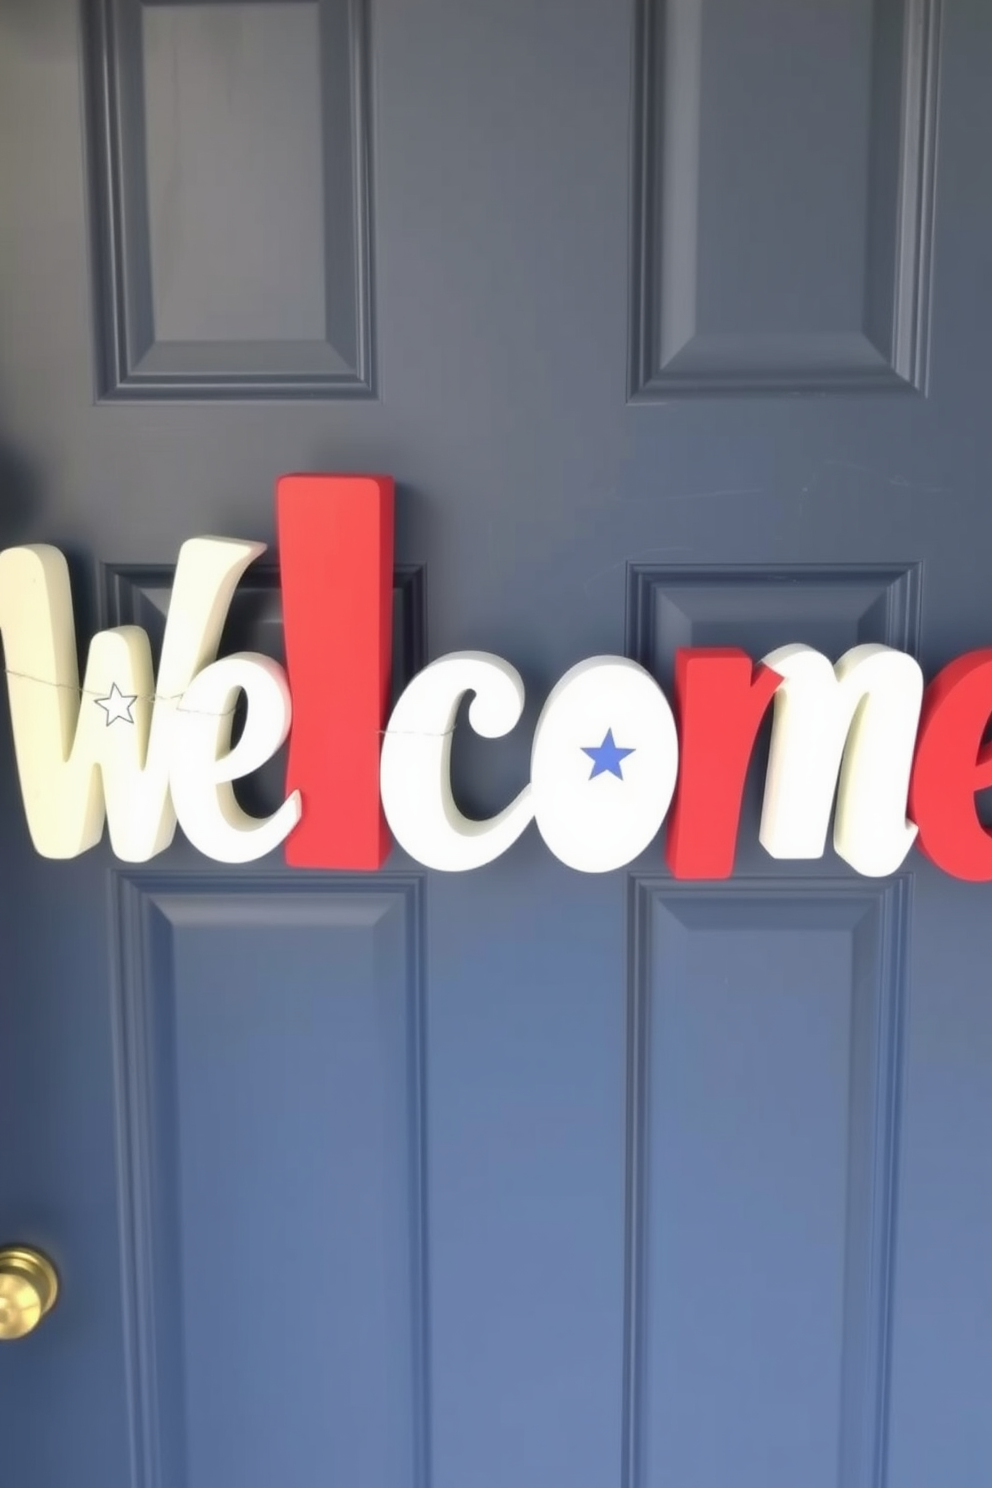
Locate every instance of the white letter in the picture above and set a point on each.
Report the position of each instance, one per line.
(415, 780)
(111, 752)
(203, 764)
(604, 764)
(867, 709)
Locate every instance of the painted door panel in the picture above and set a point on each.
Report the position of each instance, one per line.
(671, 323)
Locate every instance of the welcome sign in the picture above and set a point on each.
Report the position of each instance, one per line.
(611, 759)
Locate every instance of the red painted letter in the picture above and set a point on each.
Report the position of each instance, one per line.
(720, 699)
(951, 765)
(336, 564)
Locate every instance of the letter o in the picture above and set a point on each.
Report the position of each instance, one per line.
(599, 813)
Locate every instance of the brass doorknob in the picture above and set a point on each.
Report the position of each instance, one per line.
(29, 1285)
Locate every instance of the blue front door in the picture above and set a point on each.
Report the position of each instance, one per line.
(671, 321)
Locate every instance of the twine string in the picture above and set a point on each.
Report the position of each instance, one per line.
(176, 697)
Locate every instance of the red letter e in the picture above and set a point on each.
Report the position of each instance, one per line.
(951, 765)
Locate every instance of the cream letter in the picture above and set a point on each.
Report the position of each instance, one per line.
(859, 719)
(204, 765)
(415, 779)
(604, 764)
(109, 753)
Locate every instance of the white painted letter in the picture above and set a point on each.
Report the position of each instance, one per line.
(109, 754)
(859, 719)
(415, 780)
(604, 764)
(204, 765)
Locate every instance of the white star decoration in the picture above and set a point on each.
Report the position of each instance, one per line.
(117, 705)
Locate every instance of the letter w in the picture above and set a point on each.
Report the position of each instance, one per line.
(76, 766)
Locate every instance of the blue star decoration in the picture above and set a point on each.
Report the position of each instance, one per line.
(606, 757)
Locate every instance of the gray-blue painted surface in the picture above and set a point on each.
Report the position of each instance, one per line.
(672, 322)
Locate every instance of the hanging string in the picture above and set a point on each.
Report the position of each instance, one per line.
(176, 697)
